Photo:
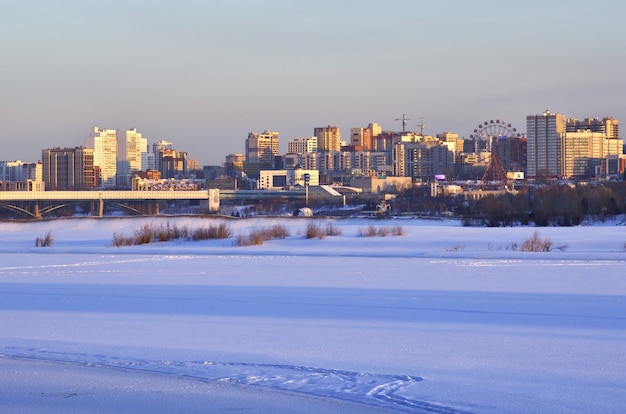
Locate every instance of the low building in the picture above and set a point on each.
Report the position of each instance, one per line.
(284, 179)
(381, 184)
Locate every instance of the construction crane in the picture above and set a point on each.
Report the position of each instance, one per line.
(421, 125)
(403, 119)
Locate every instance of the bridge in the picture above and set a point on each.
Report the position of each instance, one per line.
(29, 202)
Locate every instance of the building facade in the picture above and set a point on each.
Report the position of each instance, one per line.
(422, 161)
(585, 153)
(302, 145)
(157, 147)
(104, 145)
(608, 126)
(545, 134)
(364, 137)
(284, 179)
(173, 163)
(262, 148)
(131, 147)
(19, 171)
(328, 138)
(68, 168)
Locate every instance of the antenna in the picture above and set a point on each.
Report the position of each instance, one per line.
(403, 119)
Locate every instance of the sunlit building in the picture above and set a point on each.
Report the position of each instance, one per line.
(130, 149)
(68, 168)
(302, 145)
(545, 133)
(364, 137)
(262, 148)
(328, 138)
(104, 145)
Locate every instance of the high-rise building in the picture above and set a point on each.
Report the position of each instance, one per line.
(423, 160)
(585, 153)
(262, 148)
(607, 125)
(104, 145)
(68, 168)
(364, 137)
(173, 163)
(130, 149)
(157, 147)
(302, 145)
(328, 138)
(511, 152)
(545, 134)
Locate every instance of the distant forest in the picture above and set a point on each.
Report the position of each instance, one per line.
(541, 205)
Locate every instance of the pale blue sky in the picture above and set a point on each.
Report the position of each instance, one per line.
(203, 74)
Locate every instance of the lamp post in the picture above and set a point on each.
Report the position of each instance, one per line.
(307, 178)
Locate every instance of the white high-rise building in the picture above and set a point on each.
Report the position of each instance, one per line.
(104, 145)
(130, 148)
(262, 148)
(302, 145)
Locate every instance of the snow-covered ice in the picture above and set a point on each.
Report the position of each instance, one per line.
(443, 319)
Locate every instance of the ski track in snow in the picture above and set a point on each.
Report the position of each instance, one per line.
(372, 389)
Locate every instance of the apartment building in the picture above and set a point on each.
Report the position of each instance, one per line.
(262, 148)
(131, 147)
(68, 168)
(328, 138)
(302, 145)
(104, 145)
(545, 134)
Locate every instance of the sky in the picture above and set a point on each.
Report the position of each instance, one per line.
(204, 74)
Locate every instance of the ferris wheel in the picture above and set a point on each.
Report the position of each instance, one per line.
(494, 129)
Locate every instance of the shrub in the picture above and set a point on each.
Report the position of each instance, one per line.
(372, 231)
(122, 240)
(318, 231)
(143, 235)
(332, 230)
(222, 231)
(45, 241)
(259, 236)
(314, 231)
(536, 244)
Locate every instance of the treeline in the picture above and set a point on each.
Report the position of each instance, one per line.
(557, 205)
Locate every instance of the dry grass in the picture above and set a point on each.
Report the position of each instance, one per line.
(221, 231)
(373, 231)
(45, 241)
(259, 236)
(162, 233)
(319, 231)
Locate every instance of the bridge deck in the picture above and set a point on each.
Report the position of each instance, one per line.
(102, 195)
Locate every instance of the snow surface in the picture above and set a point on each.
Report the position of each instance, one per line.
(444, 319)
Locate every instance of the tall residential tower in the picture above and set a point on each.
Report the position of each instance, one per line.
(328, 139)
(104, 145)
(545, 134)
(262, 148)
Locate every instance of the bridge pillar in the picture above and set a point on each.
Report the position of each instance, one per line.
(36, 212)
(97, 207)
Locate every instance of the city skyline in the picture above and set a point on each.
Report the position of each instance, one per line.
(204, 75)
